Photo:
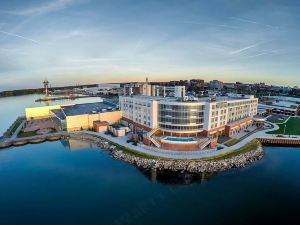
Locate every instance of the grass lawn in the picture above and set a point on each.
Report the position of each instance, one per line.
(292, 127)
(231, 142)
(277, 118)
(26, 134)
(15, 126)
(252, 145)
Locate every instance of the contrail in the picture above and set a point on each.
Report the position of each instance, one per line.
(256, 55)
(253, 22)
(242, 49)
(212, 24)
(52, 6)
(19, 36)
(138, 45)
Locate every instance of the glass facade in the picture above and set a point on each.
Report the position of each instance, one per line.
(181, 117)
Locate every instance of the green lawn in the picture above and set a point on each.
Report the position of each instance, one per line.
(252, 145)
(27, 134)
(292, 127)
(277, 118)
(231, 142)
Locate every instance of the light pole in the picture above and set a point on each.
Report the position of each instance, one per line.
(284, 129)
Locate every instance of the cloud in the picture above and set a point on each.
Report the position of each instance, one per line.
(238, 51)
(44, 9)
(19, 36)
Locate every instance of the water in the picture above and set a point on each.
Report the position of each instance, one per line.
(49, 183)
(179, 139)
(12, 107)
(76, 183)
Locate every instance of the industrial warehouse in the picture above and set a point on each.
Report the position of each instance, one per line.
(77, 117)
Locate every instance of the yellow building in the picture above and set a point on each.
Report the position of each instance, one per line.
(42, 111)
(79, 116)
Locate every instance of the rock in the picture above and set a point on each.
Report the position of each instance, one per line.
(192, 166)
(238, 161)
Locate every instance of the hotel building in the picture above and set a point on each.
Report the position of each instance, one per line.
(205, 119)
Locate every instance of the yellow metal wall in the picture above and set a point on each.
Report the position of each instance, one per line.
(84, 122)
(111, 117)
(40, 112)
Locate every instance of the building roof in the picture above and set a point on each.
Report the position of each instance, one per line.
(59, 113)
(264, 106)
(86, 108)
(232, 97)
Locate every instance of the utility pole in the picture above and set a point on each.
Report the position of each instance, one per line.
(284, 129)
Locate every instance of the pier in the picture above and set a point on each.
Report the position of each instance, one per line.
(71, 97)
(280, 141)
(8, 142)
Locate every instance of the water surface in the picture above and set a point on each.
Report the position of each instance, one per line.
(77, 183)
(50, 183)
(12, 107)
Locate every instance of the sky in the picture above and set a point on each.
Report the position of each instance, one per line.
(73, 42)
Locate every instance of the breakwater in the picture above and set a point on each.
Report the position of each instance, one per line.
(176, 165)
(5, 143)
(280, 141)
(192, 166)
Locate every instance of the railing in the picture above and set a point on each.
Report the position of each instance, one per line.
(155, 142)
(206, 142)
(149, 134)
(176, 152)
(9, 132)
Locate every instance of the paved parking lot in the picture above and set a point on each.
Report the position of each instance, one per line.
(41, 126)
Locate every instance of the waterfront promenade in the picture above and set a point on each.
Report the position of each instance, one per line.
(157, 152)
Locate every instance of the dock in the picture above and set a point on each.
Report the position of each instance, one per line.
(9, 142)
(71, 97)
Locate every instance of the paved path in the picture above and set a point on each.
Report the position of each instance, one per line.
(189, 154)
(17, 131)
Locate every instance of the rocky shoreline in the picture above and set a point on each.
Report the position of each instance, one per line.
(190, 166)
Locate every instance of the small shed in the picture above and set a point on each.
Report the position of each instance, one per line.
(100, 126)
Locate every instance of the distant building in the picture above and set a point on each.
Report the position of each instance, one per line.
(216, 85)
(229, 86)
(168, 91)
(197, 83)
(280, 105)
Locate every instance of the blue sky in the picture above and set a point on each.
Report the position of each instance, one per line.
(92, 41)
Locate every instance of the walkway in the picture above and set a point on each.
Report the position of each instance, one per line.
(17, 131)
(187, 154)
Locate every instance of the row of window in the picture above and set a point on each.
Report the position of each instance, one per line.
(181, 120)
(181, 128)
(182, 107)
(181, 114)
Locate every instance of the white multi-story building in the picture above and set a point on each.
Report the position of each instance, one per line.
(206, 116)
(180, 124)
(140, 110)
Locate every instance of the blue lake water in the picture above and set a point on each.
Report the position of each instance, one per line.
(12, 107)
(74, 183)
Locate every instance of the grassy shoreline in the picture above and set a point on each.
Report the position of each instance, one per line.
(252, 145)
